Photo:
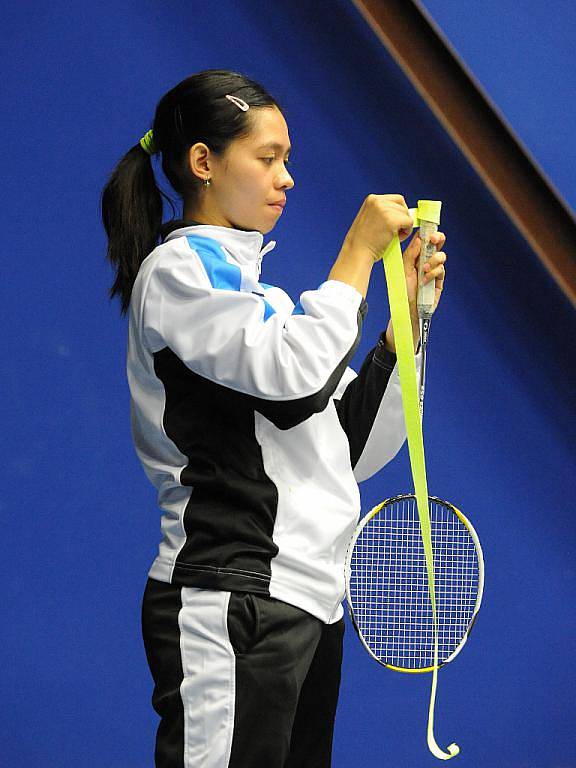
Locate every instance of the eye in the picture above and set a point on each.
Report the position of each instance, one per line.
(270, 160)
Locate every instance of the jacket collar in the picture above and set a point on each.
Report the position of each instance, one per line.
(244, 246)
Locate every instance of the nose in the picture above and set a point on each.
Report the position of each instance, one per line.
(284, 180)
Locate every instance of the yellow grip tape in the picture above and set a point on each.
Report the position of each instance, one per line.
(428, 210)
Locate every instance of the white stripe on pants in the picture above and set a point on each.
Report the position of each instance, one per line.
(208, 687)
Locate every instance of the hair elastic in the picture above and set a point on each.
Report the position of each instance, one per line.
(147, 143)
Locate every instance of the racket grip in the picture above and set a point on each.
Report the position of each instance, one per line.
(426, 293)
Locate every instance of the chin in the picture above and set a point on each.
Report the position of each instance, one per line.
(260, 227)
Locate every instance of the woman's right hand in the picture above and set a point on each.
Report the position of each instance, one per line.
(378, 220)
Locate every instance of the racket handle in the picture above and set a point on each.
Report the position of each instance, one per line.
(427, 292)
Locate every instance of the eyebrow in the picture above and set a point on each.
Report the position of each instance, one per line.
(274, 145)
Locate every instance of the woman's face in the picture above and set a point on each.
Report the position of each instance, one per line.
(248, 178)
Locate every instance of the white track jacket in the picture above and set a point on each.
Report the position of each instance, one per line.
(249, 422)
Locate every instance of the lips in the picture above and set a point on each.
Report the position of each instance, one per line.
(281, 203)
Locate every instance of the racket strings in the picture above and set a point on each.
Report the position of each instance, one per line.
(389, 588)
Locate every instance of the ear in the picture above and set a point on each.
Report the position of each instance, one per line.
(199, 160)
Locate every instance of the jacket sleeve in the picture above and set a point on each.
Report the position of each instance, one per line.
(289, 364)
(370, 411)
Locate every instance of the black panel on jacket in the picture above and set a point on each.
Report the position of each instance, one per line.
(359, 405)
(229, 519)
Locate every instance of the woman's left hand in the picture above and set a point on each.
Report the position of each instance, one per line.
(433, 270)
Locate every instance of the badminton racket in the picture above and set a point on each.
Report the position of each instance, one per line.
(409, 616)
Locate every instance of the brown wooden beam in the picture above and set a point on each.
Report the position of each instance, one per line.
(474, 123)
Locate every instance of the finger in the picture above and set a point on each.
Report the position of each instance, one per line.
(406, 229)
(438, 238)
(400, 199)
(438, 258)
(437, 274)
(413, 245)
(440, 283)
(433, 263)
(403, 220)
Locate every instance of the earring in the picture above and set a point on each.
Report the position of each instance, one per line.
(207, 183)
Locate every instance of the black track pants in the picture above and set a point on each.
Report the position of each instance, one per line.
(241, 680)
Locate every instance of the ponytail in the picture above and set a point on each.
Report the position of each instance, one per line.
(132, 217)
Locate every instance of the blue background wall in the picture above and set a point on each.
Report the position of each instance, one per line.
(522, 56)
(80, 523)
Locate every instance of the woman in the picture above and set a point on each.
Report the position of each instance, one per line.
(250, 425)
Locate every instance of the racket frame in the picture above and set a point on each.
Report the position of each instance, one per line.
(348, 573)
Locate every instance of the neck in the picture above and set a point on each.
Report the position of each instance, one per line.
(204, 213)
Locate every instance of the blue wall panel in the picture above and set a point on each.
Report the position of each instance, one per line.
(80, 520)
(522, 54)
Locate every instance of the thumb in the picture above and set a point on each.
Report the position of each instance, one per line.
(412, 251)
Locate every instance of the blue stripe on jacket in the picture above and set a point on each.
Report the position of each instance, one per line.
(222, 274)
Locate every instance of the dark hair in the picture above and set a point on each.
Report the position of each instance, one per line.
(193, 111)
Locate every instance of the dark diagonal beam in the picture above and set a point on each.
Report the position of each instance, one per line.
(465, 111)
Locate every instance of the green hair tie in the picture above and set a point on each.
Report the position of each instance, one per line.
(147, 143)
